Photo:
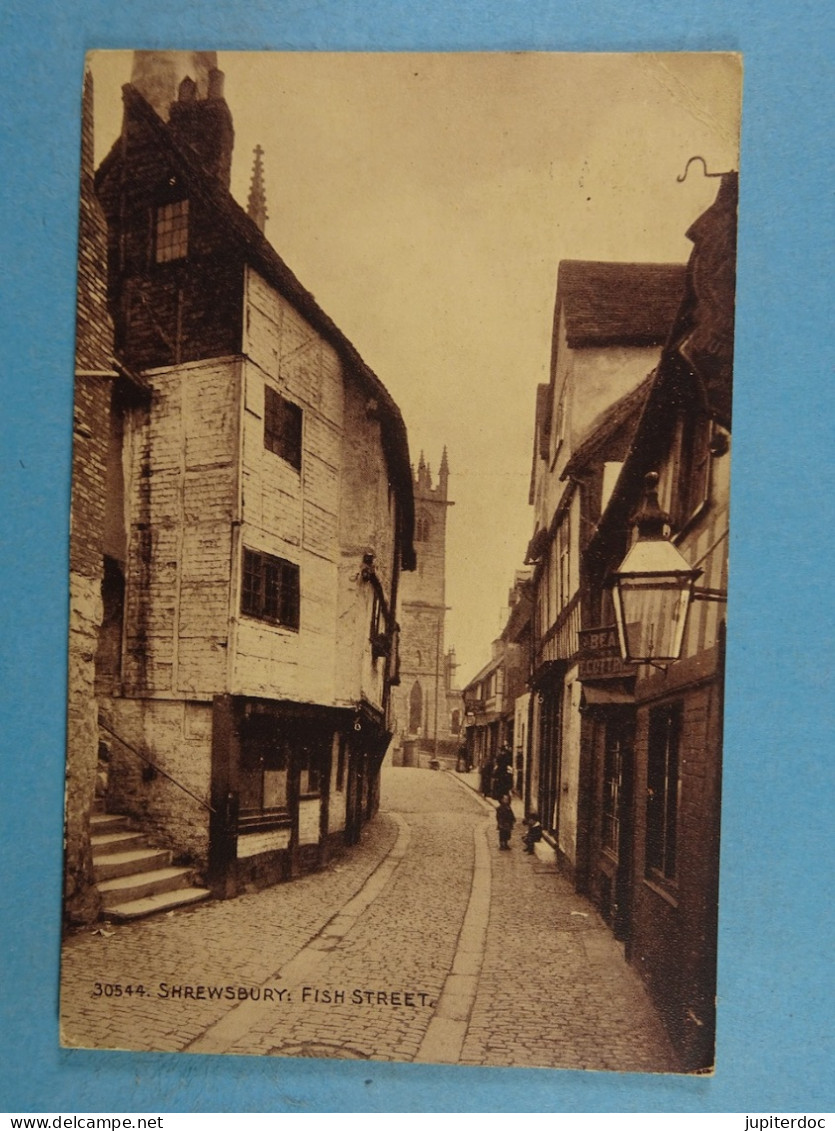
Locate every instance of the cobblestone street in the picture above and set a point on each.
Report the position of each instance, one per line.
(415, 945)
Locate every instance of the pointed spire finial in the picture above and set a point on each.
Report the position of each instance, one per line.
(256, 206)
(443, 474)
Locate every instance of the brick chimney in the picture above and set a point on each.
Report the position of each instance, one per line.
(158, 74)
(204, 125)
(186, 90)
(94, 328)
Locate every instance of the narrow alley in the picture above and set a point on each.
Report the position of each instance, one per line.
(418, 945)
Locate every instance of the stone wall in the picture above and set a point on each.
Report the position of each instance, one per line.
(81, 898)
(91, 431)
(176, 738)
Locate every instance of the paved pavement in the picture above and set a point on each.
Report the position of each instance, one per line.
(424, 942)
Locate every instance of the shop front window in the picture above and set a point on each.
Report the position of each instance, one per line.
(612, 777)
(264, 769)
(313, 761)
(663, 783)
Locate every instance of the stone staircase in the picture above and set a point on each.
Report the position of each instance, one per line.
(135, 878)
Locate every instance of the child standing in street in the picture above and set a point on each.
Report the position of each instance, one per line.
(505, 821)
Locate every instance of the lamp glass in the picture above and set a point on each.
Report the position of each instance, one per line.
(651, 612)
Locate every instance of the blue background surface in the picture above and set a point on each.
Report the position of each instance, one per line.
(774, 1048)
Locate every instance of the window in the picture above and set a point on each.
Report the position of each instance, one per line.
(310, 779)
(564, 565)
(172, 231)
(663, 789)
(282, 427)
(270, 589)
(691, 467)
(264, 766)
(423, 528)
(617, 753)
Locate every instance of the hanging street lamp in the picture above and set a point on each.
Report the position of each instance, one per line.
(653, 588)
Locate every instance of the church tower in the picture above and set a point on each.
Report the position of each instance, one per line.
(422, 720)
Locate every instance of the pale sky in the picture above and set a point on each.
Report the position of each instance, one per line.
(427, 200)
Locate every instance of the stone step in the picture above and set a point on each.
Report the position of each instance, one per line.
(139, 885)
(110, 866)
(108, 823)
(104, 844)
(164, 901)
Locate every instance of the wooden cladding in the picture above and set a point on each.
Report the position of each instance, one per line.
(282, 427)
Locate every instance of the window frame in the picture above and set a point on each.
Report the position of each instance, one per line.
(283, 427)
(610, 809)
(174, 228)
(663, 789)
(264, 755)
(423, 527)
(270, 589)
(692, 467)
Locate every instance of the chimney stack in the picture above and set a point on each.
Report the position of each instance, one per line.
(186, 89)
(203, 125)
(157, 75)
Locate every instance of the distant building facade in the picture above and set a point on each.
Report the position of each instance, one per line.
(497, 698)
(427, 703)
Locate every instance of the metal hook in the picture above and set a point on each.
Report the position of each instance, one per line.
(683, 176)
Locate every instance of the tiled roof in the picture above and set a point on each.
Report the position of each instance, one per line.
(619, 303)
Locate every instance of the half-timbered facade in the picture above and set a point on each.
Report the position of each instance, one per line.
(610, 321)
(268, 505)
(656, 754)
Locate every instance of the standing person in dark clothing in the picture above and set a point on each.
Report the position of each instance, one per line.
(503, 775)
(505, 820)
(486, 777)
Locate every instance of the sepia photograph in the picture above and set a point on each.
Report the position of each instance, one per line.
(398, 565)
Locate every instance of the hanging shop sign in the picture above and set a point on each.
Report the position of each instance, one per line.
(599, 655)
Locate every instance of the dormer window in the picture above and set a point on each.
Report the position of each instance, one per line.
(171, 233)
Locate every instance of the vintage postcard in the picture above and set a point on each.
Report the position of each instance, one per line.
(398, 564)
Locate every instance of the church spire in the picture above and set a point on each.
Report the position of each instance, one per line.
(256, 205)
(443, 473)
